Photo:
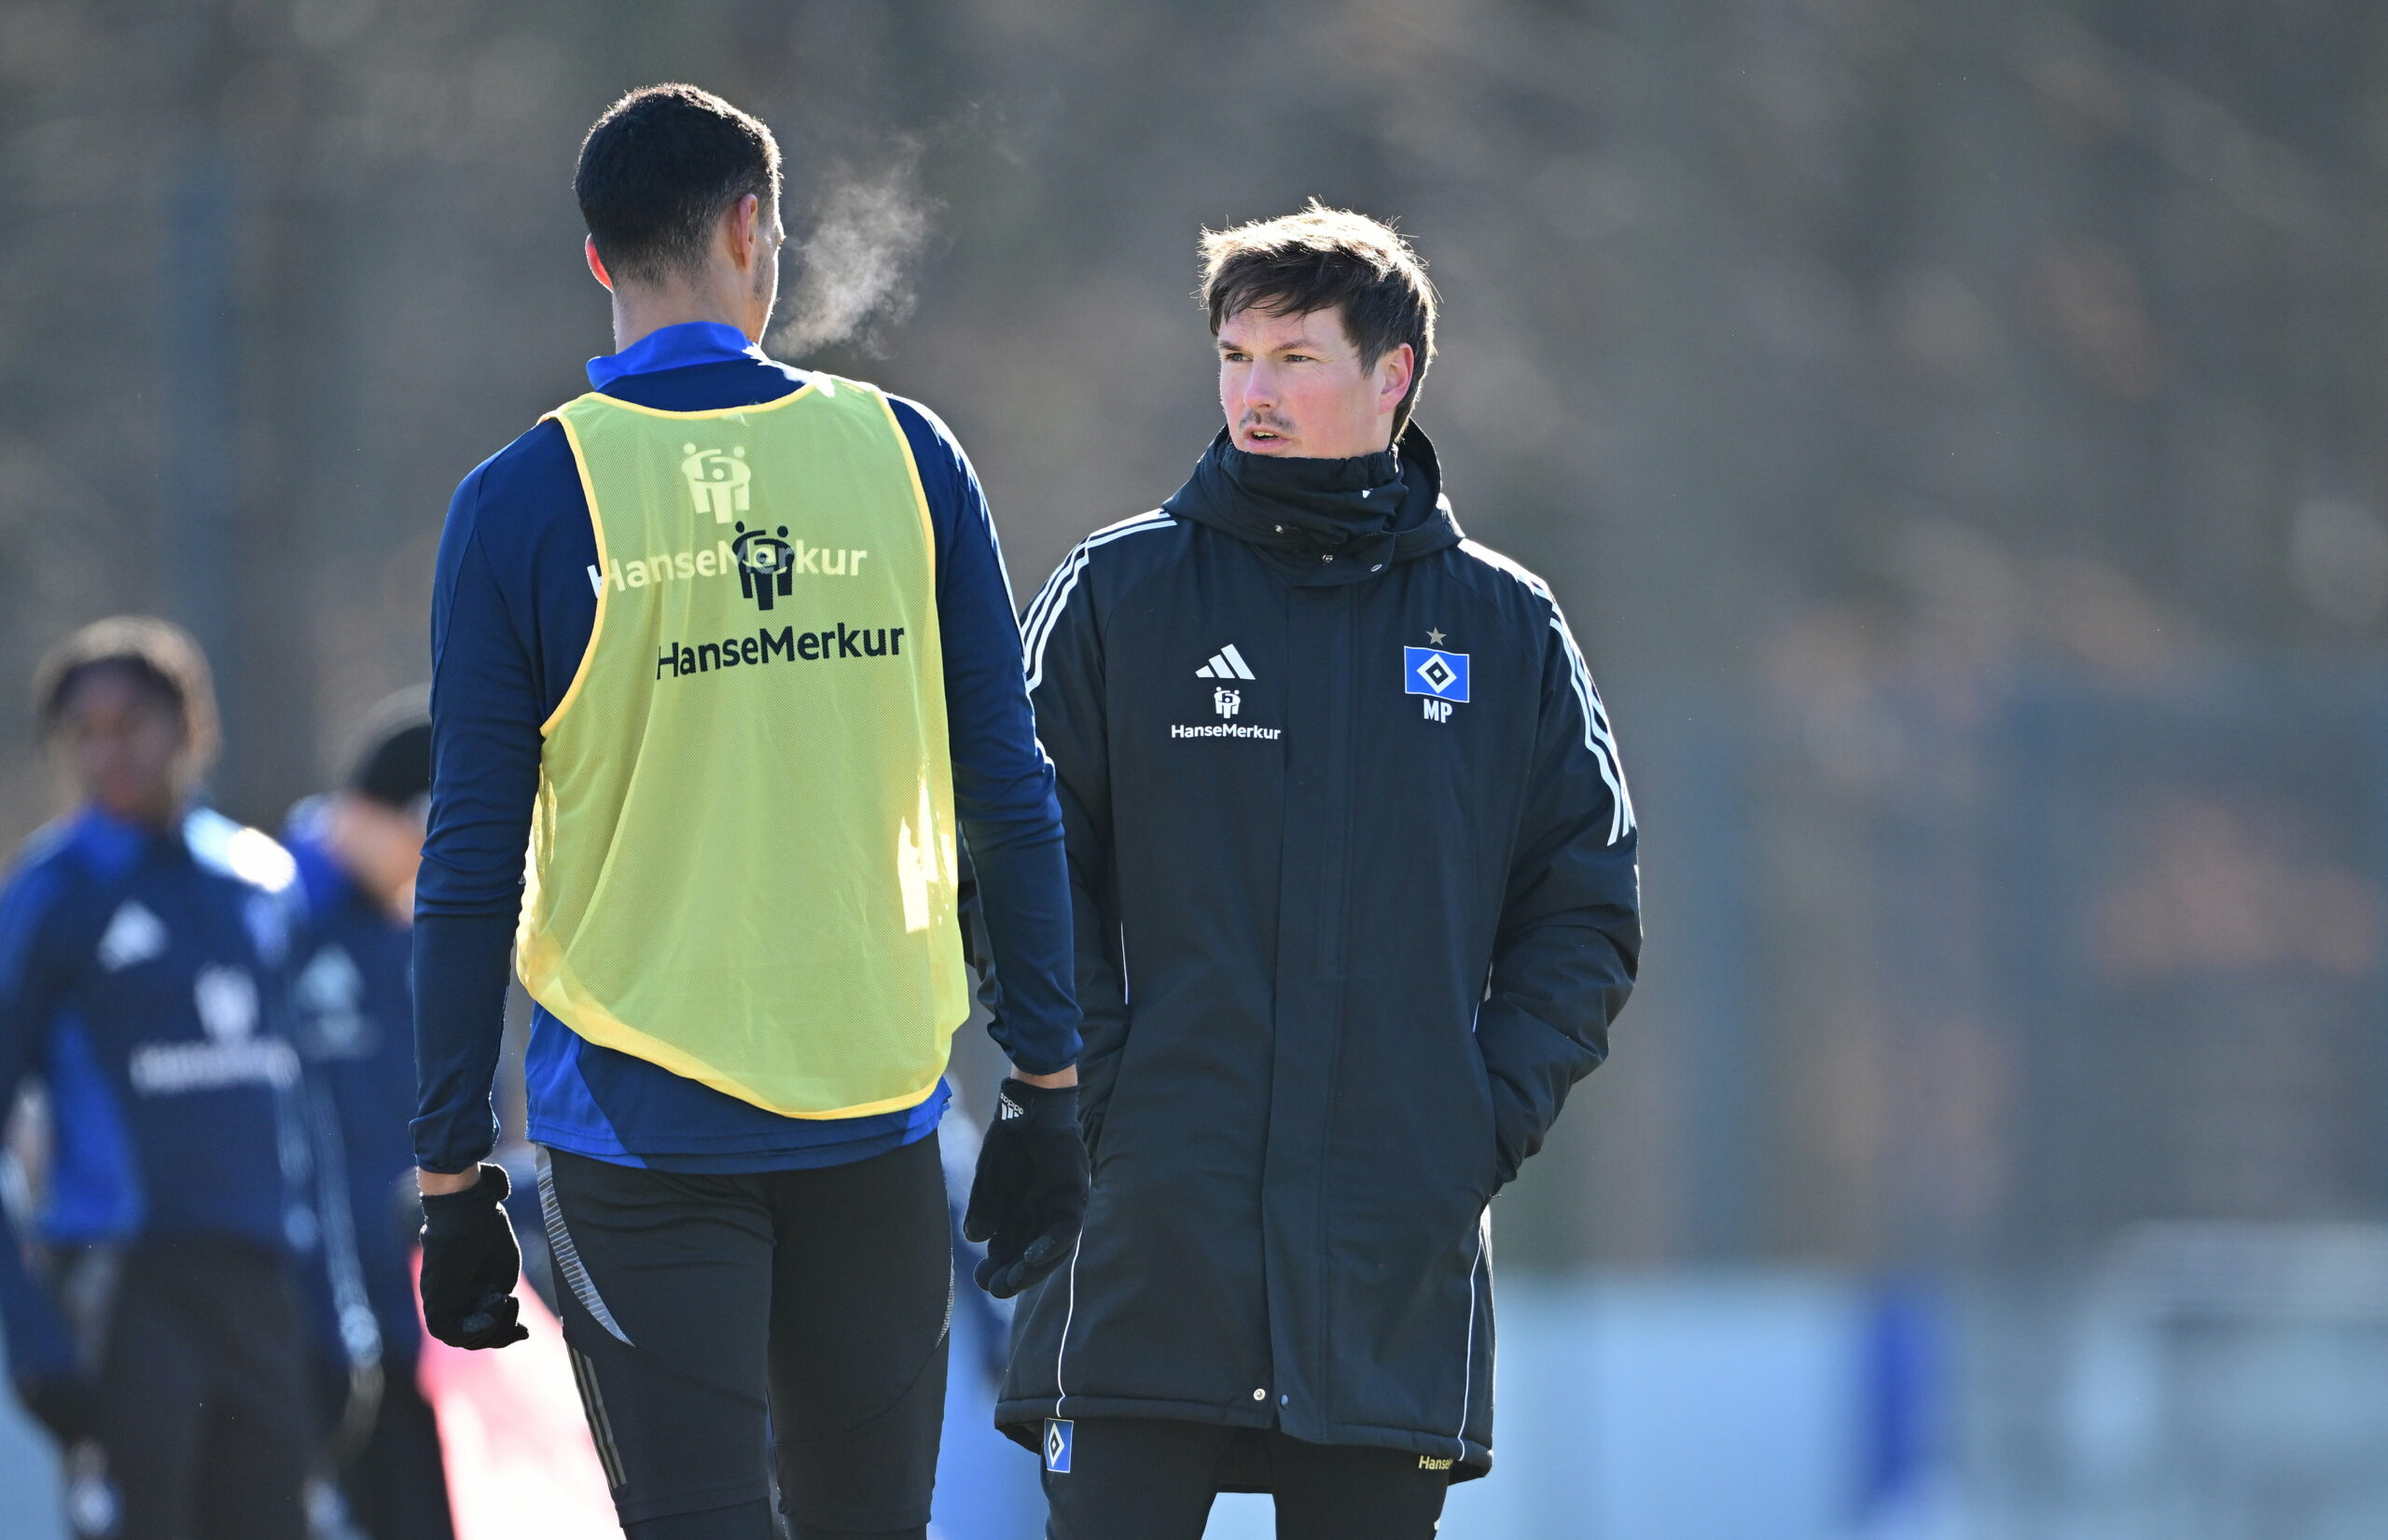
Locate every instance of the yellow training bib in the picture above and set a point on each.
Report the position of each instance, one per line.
(741, 867)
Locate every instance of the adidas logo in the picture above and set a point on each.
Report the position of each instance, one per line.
(134, 935)
(1225, 663)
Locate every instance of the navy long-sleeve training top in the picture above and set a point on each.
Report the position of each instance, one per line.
(512, 608)
(142, 978)
(351, 1015)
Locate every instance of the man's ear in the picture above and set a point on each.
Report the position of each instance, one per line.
(597, 264)
(1394, 371)
(745, 230)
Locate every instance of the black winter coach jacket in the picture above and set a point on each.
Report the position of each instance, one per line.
(1353, 863)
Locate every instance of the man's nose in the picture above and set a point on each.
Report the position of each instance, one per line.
(1259, 388)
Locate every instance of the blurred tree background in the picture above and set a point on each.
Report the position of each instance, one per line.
(1954, 429)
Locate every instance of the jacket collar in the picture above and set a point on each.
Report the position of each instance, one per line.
(673, 348)
(1324, 521)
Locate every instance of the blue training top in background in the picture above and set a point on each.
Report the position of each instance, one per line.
(353, 1014)
(142, 975)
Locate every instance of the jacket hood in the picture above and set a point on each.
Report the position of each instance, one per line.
(1324, 521)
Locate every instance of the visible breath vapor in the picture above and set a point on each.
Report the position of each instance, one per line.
(855, 271)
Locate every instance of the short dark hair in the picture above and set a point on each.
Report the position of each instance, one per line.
(1324, 258)
(160, 657)
(391, 762)
(658, 170)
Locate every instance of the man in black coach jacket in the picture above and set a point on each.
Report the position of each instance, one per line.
(1352, 862)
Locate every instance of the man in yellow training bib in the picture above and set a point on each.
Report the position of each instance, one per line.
(727, 650)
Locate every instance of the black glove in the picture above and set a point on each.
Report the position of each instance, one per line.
(67, 1405)
(470, 1265)
(1029, 1196)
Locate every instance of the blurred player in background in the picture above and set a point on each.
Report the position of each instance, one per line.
(1355, 883)
(728, 646)
(357, 850)
(144, 944)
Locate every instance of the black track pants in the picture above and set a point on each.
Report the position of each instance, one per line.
(710, 1316)
(209, 1426)
(1153, 1480)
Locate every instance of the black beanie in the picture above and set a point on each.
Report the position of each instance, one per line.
(392, 764)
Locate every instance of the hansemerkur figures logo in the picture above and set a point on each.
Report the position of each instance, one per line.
(765, 566)
(720, 484)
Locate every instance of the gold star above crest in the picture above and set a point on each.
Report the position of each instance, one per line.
(1434, 637)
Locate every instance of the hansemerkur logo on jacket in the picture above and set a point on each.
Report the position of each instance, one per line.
(1362, 865)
